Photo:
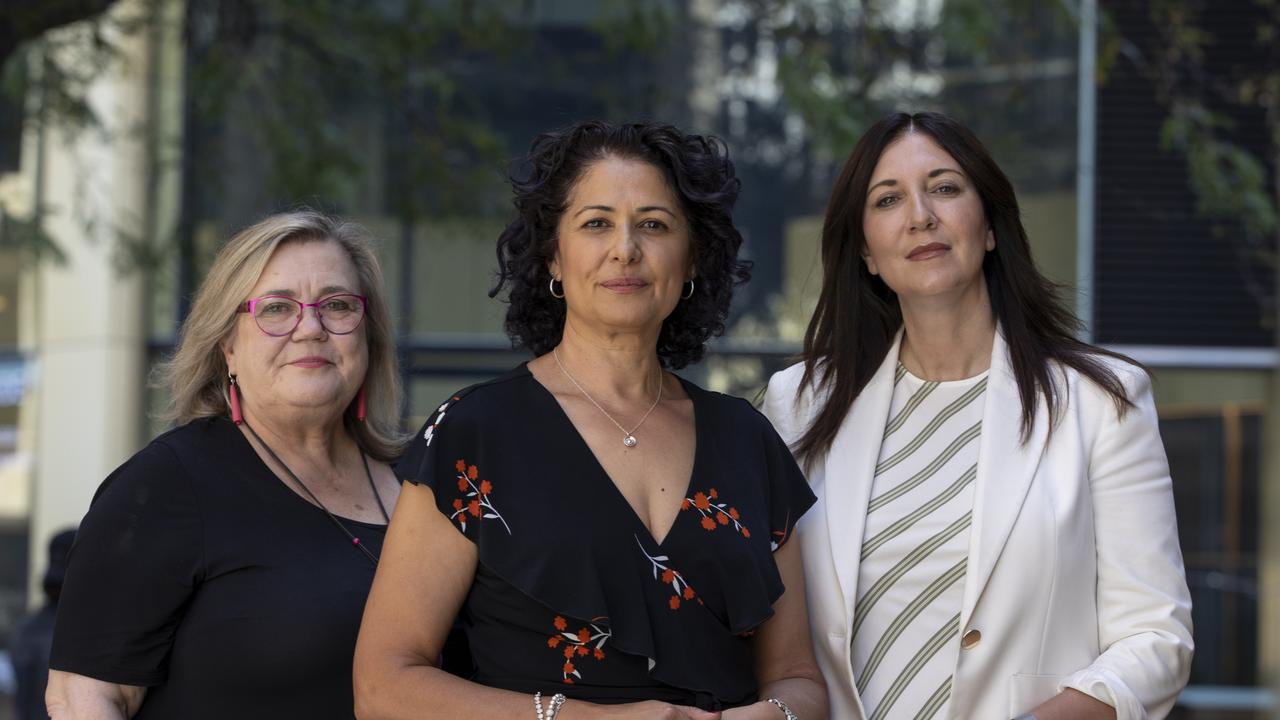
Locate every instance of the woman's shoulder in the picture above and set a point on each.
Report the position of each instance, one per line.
(480, 400)
(166, 468)
(197, 435)
(731, 414)
(1132, 376)
(785, 404)
(787, 379)
(719, 404)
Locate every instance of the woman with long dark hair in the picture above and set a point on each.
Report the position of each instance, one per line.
(995, 533)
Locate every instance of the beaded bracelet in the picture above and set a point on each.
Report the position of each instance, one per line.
(553, 706)
(783, 707)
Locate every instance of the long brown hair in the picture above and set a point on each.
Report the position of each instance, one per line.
(857, 315)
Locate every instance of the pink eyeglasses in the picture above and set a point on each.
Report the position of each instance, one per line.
(279, 315)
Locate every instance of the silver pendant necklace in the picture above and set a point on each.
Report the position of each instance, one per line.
(628, 436)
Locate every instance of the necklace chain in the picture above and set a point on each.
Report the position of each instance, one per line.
(628, 436)
(334, 518)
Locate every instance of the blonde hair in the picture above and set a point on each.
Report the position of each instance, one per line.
(196, 375)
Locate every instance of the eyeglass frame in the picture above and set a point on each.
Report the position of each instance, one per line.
(248, 307)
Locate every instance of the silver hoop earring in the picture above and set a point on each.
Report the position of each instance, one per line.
(689, 294)
(551, 287)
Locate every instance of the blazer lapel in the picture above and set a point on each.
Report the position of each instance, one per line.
(1006, 467)
(850, 467)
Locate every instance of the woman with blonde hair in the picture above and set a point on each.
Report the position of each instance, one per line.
(222, 570)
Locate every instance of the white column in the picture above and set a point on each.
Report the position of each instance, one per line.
(86, 333)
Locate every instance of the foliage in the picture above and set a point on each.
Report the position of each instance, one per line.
(841, 65)
(291, 84)
(1236, 187)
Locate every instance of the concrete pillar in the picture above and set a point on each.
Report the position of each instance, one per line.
(85, 333)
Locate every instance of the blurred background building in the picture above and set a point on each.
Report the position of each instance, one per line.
(1143, 139)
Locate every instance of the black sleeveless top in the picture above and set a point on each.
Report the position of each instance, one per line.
(572, 594)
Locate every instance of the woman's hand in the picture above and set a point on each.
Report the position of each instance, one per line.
(1072, 704)
(69, 696)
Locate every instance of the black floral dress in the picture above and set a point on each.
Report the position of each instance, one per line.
(572, 594)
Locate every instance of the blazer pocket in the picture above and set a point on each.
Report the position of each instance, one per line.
(1028, 691)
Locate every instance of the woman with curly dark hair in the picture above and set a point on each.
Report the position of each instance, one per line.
(619, 541)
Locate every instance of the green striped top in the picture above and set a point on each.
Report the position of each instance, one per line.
(915, 548)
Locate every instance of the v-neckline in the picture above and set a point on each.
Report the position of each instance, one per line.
(698, 436)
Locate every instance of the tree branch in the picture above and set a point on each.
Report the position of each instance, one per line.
(23, 20)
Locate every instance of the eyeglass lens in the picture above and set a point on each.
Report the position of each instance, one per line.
(339, 314)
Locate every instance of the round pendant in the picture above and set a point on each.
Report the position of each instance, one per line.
(629, 441)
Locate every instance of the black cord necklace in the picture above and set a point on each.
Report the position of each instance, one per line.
(334, 518)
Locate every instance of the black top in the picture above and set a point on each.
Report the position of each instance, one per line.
(572, 594)
(199, 574)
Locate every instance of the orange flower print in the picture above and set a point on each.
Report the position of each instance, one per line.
(780, 536)
(475, 500)
(670, 576)
(715, 513)
(588, 641)
(700, 501)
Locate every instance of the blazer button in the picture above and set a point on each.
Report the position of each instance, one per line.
(970, 639)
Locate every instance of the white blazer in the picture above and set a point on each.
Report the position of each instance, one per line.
(1075, 577)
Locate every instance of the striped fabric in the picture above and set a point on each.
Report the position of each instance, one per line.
(906, 624)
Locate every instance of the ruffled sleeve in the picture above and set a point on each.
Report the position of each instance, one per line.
(789, 493)
(755, 488)
(444, 457)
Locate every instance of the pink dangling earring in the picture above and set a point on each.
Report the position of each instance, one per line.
(236, 416)
(360, 399)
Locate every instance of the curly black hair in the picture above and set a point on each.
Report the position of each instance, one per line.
(699, 172)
